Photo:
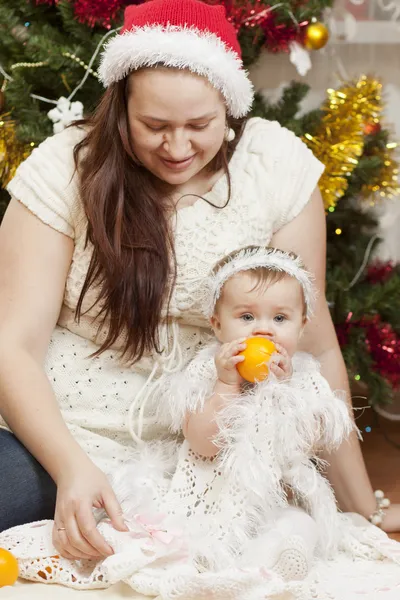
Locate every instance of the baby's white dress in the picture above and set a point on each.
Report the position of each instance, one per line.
(201, 527)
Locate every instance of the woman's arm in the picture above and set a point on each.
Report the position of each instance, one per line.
(34, 262)
(306, 235)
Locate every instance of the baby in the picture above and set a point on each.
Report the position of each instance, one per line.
(249, 447)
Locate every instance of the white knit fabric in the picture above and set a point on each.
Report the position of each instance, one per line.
(212, 525)
(273, 175)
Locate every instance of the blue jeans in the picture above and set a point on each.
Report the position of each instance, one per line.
(27, 492)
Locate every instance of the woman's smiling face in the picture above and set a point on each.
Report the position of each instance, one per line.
(177, 122)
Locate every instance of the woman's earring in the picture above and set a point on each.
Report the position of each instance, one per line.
(229, 134)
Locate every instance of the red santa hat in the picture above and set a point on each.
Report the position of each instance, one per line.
(184, 34)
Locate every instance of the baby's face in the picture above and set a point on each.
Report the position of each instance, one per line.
(274, 311)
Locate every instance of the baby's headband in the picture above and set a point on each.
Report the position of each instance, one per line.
(254, 258)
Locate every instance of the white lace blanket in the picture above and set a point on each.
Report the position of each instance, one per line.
(158, 569)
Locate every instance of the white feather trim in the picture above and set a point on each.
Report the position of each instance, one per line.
(187, 390)
(272, 258)
(201, 52)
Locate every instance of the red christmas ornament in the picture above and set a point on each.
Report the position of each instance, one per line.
(379, 272)
(100, 12)
(372, 128)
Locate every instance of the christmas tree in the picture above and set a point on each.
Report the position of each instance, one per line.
(49, 52)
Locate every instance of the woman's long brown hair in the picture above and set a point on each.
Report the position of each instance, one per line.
(133, 266)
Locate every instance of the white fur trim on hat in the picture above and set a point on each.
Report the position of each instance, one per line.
(247, 259)
(201, 52)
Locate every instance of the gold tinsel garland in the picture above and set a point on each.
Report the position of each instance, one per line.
(384, 183)
(339, 140)
(12, 151)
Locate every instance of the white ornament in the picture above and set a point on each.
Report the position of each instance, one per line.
(300, 58)
(379, 494)
(65, 113)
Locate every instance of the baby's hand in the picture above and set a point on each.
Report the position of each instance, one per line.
(281, 363)
(226, 360)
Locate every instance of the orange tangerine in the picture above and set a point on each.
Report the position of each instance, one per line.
(257, 354)
(8, 568)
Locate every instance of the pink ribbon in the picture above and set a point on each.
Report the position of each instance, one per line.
(153, 528)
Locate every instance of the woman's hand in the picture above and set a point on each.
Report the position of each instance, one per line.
(281, 364)
(75, 534)
(226, 360)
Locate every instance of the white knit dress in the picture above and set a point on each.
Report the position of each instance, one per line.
(273, 176)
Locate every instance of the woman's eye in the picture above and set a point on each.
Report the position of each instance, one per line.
(199, 127)
(152, 128)
(279, 318)
(247, 317)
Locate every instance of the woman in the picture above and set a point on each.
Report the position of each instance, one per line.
(101, 294)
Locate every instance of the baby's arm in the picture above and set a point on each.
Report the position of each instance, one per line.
(200, 427)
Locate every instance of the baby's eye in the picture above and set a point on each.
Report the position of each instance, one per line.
(279, 318)
(247, 317)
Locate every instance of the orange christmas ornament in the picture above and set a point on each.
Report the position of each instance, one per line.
(256, 356)
(8, 568)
